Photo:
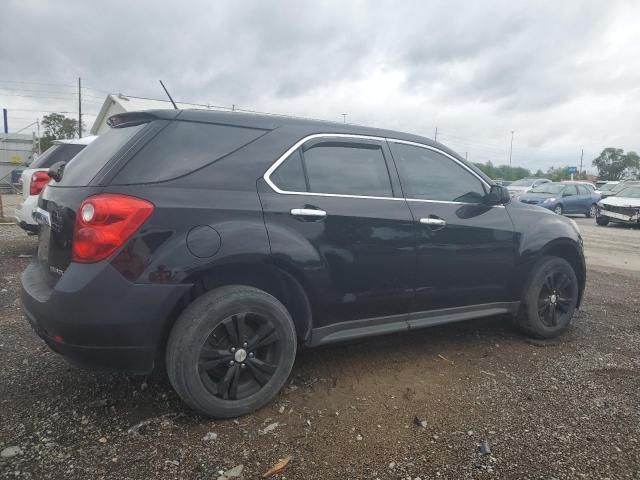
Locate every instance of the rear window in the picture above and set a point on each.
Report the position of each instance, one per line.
(56, 153)
(183, 147)
(86, 165)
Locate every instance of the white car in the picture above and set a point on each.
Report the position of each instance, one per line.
(35, 177)
(605, 190)
(622, 208)
(524, 185)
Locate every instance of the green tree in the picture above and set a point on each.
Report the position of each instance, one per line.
(55, 127)
(614, 164)
(504, 172)
(557, 174)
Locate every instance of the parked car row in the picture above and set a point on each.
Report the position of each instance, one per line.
(564, 198)
(616, 201)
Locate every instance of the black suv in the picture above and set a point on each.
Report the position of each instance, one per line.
(218, 243)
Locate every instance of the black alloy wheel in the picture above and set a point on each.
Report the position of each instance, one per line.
(549, 299)
(555, 299)
(231, 351)
(240, 356)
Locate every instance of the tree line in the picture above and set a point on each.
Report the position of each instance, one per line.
(612, 164)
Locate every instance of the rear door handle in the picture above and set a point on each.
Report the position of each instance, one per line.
(308, 212)
(434, 222)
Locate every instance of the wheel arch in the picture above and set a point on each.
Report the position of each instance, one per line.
(274, 279)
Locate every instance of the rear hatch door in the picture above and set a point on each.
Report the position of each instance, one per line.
(59, 201)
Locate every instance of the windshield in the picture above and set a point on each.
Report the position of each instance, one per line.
(630, 192)
(608, 186)
(525, 182)
(551, 188)
(619, 187)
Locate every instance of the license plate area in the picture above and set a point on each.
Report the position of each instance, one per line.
(43, 244)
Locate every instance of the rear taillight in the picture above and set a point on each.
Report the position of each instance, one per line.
(39, 180)
(104, 223)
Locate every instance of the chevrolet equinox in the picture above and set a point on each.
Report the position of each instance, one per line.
(217, 243)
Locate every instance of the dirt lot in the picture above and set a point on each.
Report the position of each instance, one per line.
(568, 408)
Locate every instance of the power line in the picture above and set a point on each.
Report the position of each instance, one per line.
(45, 97)
(48, 111)
(38, 83)
(22, 91)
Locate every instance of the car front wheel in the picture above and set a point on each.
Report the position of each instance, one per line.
(592, 211)
(602, 220)
(549, 299)
(558, 210)
(231, 351)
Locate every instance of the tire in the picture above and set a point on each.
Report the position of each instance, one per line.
(602, 220)
(593, 210)
(209, 364)
(549, 299)
(558, 209)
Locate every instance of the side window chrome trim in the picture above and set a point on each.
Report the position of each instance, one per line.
(285, 155)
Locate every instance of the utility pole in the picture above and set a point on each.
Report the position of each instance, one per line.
(38, 130)
(581, 157)
(511, 148)
(344, 117)
(466, 157)
(435, 136)
(79, 108)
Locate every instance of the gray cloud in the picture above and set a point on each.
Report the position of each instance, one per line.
(563, 75)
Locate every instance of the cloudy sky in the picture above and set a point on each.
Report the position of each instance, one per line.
(564, 75)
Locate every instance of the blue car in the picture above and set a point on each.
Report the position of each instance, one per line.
(563, 198)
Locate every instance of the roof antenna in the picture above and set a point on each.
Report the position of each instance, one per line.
(168, 95)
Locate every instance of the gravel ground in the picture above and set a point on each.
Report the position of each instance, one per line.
(470, 400)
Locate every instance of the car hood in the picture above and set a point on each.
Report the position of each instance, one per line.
(536, 196)
(622, 202)
(517, 189)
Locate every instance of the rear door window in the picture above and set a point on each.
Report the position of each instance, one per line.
(347, 169)
(182, 148)
(339, 168)
(290, 175)
(86, 165)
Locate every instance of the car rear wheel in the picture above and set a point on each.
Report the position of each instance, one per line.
(549, 299)
(602, 220)
(592, 211)
(231, 351)
(558, 210)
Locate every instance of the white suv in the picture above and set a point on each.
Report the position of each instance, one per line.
(35, 177)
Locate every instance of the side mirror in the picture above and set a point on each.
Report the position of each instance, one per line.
(498, 195)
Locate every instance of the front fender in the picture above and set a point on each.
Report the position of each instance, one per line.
(542, 232)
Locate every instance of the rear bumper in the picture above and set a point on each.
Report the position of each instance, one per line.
(23, 213)
(96, 318)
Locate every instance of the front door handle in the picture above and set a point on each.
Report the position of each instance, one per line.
(308, 212)
(434, 222)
